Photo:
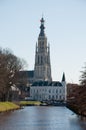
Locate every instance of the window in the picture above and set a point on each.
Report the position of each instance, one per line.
(40, 96)
(49, 96)
(56, 90)
(60, 91)
(49, 91)
(53, 90)
(60, 96)
(56, 96)
(52, 96)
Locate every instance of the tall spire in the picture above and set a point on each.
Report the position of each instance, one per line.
(42, 27)
(63, 77)
(42, 68)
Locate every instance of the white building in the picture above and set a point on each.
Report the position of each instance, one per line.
(45, 90)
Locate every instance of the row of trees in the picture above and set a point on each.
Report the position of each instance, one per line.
(77, 98)
(10, 65)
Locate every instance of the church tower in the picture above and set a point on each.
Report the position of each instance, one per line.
(42, 68)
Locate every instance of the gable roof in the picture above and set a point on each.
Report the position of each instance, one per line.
(47, 83)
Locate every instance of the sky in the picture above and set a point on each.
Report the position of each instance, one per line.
(65, 22)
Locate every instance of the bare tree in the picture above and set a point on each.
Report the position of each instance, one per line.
(9, 66)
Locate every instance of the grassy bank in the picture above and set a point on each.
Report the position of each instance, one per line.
(8, 106)
(30, 103)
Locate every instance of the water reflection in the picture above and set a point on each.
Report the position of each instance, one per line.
(41, 118)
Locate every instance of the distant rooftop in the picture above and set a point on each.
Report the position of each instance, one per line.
(47, 83)
(26, 73)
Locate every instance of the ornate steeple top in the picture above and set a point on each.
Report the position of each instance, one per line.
(42, 27)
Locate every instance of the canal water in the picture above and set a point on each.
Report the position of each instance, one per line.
(41, 118)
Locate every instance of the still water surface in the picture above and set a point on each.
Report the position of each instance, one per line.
(41, 118)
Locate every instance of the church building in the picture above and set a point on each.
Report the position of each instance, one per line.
(43, 88)
(42, 69)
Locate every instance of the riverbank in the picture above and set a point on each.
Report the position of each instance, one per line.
(8, 106)
(77, 109)
(39, 103)
(76, 100)
(29, 103)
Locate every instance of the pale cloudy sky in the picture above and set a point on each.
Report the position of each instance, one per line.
(65, 22)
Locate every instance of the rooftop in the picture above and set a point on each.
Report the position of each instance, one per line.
(47, 83)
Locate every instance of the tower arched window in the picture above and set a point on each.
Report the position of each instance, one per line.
(38, 59)
(41, 60)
